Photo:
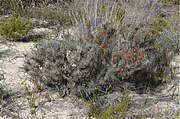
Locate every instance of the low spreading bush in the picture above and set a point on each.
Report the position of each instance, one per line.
(14, 27)
(95, 66)
(96, 62)
(74, 66)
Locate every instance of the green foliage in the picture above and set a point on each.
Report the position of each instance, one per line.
(102, 10)
(117, 111)
(14, 27)
(119, 13)
(159, 24)
(59, 69)
(178, 115)
(115, 14)
(175, 2)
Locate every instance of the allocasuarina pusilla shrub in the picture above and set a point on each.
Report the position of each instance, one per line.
(96, 62)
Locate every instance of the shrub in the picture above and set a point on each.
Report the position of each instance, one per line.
(69, 65)
(95, 66)
(14, 27)
(75, 66)
(101, 56)
(94, 63)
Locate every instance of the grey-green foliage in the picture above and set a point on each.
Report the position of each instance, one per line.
(78, 66)
(70, 65)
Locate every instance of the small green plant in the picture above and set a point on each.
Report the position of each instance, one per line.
(117, 111)
(113, 15)
(14, 27)
(175, 2)
(178, 115)
(159, 24)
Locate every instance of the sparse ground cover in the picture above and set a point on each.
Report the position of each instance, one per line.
(100, 59)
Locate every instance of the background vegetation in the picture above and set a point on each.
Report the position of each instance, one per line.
(14, 27)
